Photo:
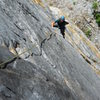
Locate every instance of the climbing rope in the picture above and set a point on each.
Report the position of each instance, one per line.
(30, 49)
(9, 60)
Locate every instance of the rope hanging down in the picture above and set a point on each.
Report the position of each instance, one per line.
(9, 60)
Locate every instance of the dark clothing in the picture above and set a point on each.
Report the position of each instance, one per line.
(62, 30)
(61, 25)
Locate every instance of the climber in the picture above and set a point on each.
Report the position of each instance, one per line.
(60, 23)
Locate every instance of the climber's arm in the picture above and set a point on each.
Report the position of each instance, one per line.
(66, 22)
(55, 24)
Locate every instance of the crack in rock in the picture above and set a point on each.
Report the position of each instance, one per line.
(41, 45)
(26, 10)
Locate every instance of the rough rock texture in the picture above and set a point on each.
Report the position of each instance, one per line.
(80, 11)
(50, 68)
(79, 41)
(22, 80)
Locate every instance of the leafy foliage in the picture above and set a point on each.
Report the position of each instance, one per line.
(98, 21)
(88, 32)
(95, 5)
(96, 13)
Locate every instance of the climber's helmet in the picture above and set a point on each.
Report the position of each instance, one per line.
(62, 18)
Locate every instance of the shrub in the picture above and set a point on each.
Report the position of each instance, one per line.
(98, 21)
(95, 5)
(88, 32)
(97, 15)
(74, 3)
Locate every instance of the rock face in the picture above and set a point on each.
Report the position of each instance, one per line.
(80, 11)
(79, 41)
(45, 66)
(25, 81)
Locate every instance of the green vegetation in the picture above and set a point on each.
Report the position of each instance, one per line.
(88, 32)
(97, 17)
(96, 13)
(74, 3)
(98, 21)
(95, 5)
